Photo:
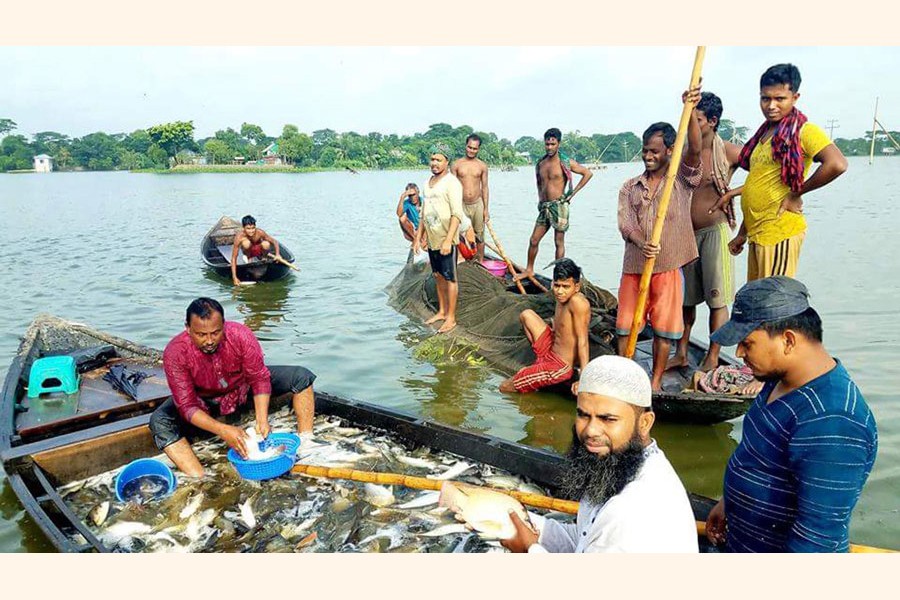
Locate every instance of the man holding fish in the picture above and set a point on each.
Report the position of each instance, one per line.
(631, 497)
(213, 368)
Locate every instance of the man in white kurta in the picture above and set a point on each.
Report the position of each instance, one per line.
(651, 512)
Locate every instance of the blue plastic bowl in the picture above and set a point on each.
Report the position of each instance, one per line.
(143, 467)
(269, 467)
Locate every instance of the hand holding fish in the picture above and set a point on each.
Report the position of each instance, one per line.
(525, 536)
(235, 438)
(262, 427)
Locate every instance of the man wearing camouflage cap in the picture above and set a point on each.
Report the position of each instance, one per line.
(442, 212)
(809, 439)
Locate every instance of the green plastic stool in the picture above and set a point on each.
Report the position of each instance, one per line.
(53, 374)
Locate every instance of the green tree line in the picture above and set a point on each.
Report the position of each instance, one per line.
(167, 145)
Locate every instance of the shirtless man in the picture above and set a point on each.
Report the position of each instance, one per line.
(472, 173)
(710, 278)
(253, 242)
(556, 347)
(554, 184)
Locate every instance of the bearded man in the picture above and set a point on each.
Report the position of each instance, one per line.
(631, 498)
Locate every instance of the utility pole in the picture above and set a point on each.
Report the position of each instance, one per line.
(625, 150)
(832, 124)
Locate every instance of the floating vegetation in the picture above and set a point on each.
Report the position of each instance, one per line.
(443, 350)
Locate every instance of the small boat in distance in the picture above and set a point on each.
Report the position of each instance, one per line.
(216, 254)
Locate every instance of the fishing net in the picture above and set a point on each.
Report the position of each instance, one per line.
(488, 311)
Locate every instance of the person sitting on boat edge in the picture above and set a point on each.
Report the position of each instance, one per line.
(409, 210)
(253, 242)
(809, 439)
(631, 499)
(468, 242)
(556, 348)
(213, 368)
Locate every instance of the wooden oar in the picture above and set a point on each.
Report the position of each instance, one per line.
(509, 265)
(284, 262)
(536, 500)
(422, 483)
(671, 172)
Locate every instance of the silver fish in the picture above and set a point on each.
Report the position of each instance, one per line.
(378, 495)
(99, 513)
(454, 471)
(191, 507)
(426, 499)
(446, 530)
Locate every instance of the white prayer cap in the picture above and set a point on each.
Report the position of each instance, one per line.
(617, 377)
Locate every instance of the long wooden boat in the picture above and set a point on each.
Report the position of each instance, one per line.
(43, 449)
(488, 316)
(215, 250)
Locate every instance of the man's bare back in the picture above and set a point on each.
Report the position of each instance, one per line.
(470, 172)
(565, 317)
(706, 195)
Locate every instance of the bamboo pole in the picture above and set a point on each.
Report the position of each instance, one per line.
(534, 500)
(890, 137)
(874, 124)
(422, 483)
(502, 254)
(531, 278)
(674, 164)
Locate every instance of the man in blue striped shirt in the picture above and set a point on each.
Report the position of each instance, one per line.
(809, 439)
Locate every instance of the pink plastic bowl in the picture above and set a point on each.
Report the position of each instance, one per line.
(497, 268)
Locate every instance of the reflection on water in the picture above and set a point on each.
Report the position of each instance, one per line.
(262, 305)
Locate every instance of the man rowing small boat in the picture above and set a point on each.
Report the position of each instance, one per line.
(253, 243)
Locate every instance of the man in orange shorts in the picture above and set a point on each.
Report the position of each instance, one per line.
(638, 204)
(556, 347)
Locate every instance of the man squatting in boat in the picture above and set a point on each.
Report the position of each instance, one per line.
(213, 368)
(631, 498)
(558, 346)
(442, 213)
(639, 201)
(472, 173)
(553, 173)
(253, 242)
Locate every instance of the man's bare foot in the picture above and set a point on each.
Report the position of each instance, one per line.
(435, 319)
(676, 362)
(709, 364)
(656, 386)
(447, 326)
(526, 274)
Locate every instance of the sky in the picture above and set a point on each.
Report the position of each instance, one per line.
(511, 91)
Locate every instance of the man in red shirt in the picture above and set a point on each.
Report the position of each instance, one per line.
(213, 368)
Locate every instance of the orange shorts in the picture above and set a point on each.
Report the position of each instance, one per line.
(663, 304)
(548, 369)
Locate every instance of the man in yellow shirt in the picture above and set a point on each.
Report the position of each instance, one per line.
(778, 158)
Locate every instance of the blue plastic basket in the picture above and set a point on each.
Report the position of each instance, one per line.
(269, 467)
(141, 468)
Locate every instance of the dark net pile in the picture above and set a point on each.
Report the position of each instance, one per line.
(488, 312)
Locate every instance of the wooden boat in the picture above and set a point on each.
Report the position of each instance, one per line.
(109, 430)
(488, 315)
(215, 250)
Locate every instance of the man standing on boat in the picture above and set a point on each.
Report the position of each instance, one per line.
(213, 368)
(442, 213)
(710, 278)
(809, 439)
(253, 243)
(472, 173)
(638, 203)
(778, 157)
(409, 209)
(555, 192)
(559, 347)
(631, 498)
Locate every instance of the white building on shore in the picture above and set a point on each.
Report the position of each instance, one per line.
(43, 163)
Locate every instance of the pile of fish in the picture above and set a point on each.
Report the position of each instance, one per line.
(223, 513)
